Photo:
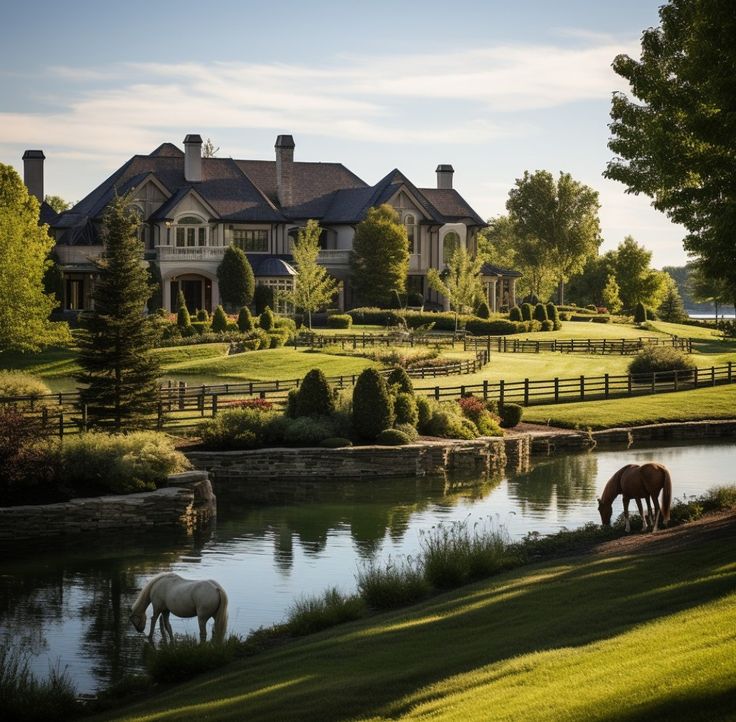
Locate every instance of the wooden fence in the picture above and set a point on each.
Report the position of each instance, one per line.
(181, 407)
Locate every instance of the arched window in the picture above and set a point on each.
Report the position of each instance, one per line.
(190, 231)
(411, 231)
(450, 243)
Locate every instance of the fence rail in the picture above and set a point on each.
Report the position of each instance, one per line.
(181, 407)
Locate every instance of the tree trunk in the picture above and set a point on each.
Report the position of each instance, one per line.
(561, 292)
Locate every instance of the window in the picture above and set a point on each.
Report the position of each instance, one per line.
(251, 241)
(411, 225)
(450, 243)
(190, 231)
(280, 286)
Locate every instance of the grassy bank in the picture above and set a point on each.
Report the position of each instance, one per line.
(629, 636)
(717, 402)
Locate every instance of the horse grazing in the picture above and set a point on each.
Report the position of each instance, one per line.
(638, 482)
(168, 592)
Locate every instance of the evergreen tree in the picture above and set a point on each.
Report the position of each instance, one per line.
(640, 313)
(483, 310)
(183, 319)
(373, 409)
(24, 249)
(119, 372)
(672, 308)
(235, 277)
(245, 320)
(266, 320)
(380, 258)
(219, 320)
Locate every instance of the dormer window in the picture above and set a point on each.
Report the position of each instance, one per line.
(190, 231)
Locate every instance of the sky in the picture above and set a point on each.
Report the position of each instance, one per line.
(493, 88)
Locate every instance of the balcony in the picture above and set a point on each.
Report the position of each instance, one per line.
(190, 253)
(334, 256)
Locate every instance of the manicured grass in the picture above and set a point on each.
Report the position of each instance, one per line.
(172, 355)
(717, 402)
(624, 637)
(52, 362)
(686, 331)
(588, 329)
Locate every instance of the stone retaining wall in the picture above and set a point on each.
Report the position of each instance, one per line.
(432, 457)
(187, 500)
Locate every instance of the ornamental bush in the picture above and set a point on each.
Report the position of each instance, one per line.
(372, 405)
(374, 316)
(202, 314)
(424, 413)
(307, 430)
(392, 437)
(552, 313)
(548, 325)
(497, 327)
(266, 320)
(339, 320)
(540, 313)
(511, 415)
(449, 425)
(245, 320)
(400, 379)
(237, 429)
(526, 311)
(640, 313)
(661, 359)
(409, 430)
(219, 320)
(405, 409)
(183, 319)
(483, 310)
(263, 298)
(315, 397)
(515, 314)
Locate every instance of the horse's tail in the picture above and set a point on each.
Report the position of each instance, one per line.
(218, 633)
(144, 597)
(666, 495)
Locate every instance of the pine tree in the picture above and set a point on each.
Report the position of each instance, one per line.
(236, 279)
(119, 372)
(672, 308)
(183, 319)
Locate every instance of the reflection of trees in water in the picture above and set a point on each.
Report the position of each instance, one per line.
(563, 480)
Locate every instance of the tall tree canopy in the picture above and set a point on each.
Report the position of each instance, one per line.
(118, 371)
(24, 249)
(676, 142)
(380, 258)
(562, 215)
(314, 288)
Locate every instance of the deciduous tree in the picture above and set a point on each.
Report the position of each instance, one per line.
(24, 259)
(637, 281)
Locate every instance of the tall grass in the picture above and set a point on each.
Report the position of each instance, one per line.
(312, 614)
(24, 698)
(187, 658)
(397, 584)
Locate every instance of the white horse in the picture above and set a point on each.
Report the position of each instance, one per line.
(168, 592)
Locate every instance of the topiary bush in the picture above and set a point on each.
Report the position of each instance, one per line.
(424, 413)
(526, 311)
(263, 298)
(405, 409)
(219, 320)
(548, 325)
(449, 425)
(307, 430)
(373, 316)
(400, 379)
(266, 320)
(640, 313)
(339, 320)
(483, 310)
(314, 397)
(540, 313)
(245, 320)
(511, 415)
(392, 437)
(661, 359)
(202, 314)
(515, 314)
(183, 319)
(497, 327)
(409, 430)
(372, 405)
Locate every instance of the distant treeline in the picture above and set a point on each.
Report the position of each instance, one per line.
(680, 274)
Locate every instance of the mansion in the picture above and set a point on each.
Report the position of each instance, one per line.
(192, 208)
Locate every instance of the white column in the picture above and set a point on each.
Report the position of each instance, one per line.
(492, 296)
(166, 295)
(512, 292)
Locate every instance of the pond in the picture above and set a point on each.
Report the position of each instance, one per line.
(69, 605)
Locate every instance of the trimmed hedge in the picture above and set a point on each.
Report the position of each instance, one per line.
(399, 377)
(339, 320)
(393, 437)
(497, 327)
(526, 311)
(515, 314)
(511, 415)
(219, 320)
(266, 320)
(540, 313)
(314, 397)
(245, 320)
(405, 409)
(373, 316)
(373, 409)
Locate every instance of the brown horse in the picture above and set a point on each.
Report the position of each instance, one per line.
(637, 483)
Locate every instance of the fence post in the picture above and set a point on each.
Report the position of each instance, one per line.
(695, 378)
(526, 392)
(606, 385)
(712, 375)
(214, 405)
(730, 363)
(557, 389)
(160, 415)
(485, 389)
(654, 382)
(537, 346)
(84, 417)
(629, 384)
(500, 394)
(582, 385)
(676, 379)
(437, 393)
(61, 424)
(45, 416)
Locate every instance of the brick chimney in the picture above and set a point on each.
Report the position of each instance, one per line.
(193, 158)
(33, 172)
(444, 176)
(285, 169)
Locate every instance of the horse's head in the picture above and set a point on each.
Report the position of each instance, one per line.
(605, 510)
(138, 621)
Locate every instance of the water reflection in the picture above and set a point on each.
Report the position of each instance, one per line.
(70, 602)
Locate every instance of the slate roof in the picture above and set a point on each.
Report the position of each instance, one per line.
(488, 269)
(245, 191)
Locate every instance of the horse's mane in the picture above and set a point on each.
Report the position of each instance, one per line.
(611, 489)
(144, 598)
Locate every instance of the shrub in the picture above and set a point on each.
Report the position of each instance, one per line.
(552, 312)
(400, 379)
(372, 405)
(254, 403)
(245, 320)
(16, 383)
(236, 429)
(515, 314)
(640, 313)
(498, 327)
(526, 311)
(449, 425)
(511, 415)
(371, 316)
(540, 313)
(183, 319)
(219, 320)
(477, 411)
(441, 320)
(312, 614)
(392, 437)
(200, 327)
(483, 310)
(397, 584)
(405, 409)
(266, 319)
(661, 359)
(291, 398)
(409, 430)
(601, 319)
(424, 413)
(263, 298)
(415, 299)
(285, 324)
(264, 340)
(565, 316)
(277, 340)
(394, 300)
(307, 430)
(548, 325)
(339, 320)
(202, 314)
(121, 464)
(314, 397)
(335, 442)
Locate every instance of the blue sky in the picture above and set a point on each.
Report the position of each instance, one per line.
(494, 88)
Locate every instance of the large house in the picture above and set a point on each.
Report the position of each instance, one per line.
(193, 207)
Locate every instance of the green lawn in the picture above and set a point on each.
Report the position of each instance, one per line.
(628, 637)
(588, 329)
(717, 402)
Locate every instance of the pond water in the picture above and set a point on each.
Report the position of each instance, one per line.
(69, 605)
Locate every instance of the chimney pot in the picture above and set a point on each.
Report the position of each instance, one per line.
(444, 176)
(33, 172)
(193, 158)
(285, 169)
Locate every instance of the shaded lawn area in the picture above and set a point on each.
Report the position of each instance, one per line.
(718, 402)
(628, 637)
(50, 363)
(588, 329)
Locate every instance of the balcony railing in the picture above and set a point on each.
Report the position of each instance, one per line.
(190, 253)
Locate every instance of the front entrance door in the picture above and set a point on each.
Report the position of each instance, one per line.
(192, 288)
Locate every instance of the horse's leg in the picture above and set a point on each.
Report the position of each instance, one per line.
(167, 616)
(154, 616)
(644, 519)
(626, 512)
(162, 626)
(202, 629)
(657, 511)
(649, 511)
